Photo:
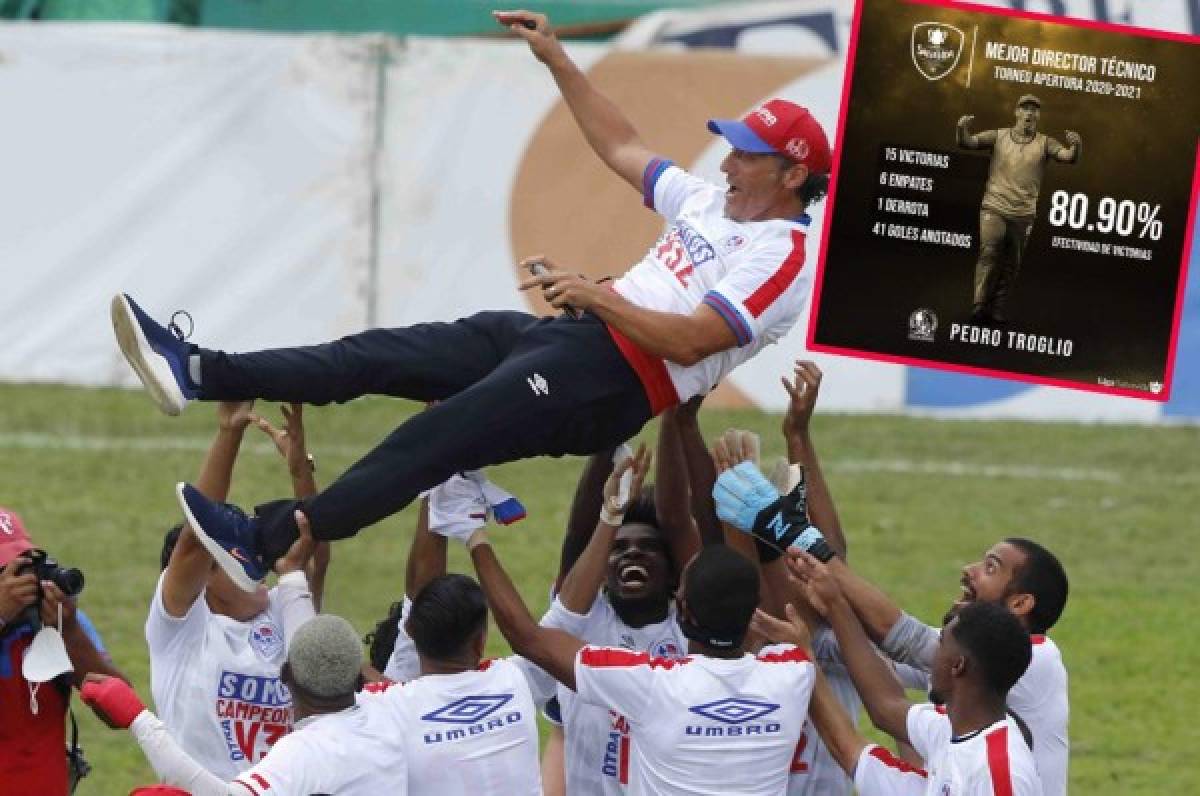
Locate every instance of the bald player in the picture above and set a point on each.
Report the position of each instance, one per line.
(1019, 156)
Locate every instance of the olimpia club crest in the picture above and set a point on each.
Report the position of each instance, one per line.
(936, 48)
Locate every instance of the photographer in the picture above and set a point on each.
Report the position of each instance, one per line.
(33, 733)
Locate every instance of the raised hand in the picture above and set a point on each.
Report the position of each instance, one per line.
(534, 28)
(619, 491)
(234, 415)
(301, 550)
(802, 398)
(289, 440)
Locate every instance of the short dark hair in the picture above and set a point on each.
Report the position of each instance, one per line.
(381, 641)
(996, 642)
(446, 615)
(1043, 576)
(170, 539)
(814, 189)
(721, 589)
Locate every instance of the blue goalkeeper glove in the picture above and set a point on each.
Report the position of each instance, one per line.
(749, 502)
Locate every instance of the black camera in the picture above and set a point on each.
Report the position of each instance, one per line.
(69, 579)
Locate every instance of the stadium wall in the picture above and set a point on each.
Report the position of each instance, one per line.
(293, 188)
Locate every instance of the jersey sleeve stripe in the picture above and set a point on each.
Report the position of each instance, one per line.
(780, 280)
(611, 657)
(997, 757)
(794, 655)
(654, 170)
(1037, 638)
(729, 314)
(891, 761)
(247, 786)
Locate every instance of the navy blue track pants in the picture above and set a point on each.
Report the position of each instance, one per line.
(509, 386)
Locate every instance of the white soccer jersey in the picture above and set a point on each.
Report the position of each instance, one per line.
(814, 770)
(467, 734)
(215, 682)
(991, 762)
(752, 273)
(597, 738)
(1040, 699)
(354, 752)
(703, 725)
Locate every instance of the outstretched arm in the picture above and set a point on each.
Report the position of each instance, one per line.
(292, 446)
(802, 395)
(672, 491)
(553, 650)
(190, 564)
(118, 706)
(607, 130)
(881, 692)
(585, 507)
(984, 140)
(583, 582)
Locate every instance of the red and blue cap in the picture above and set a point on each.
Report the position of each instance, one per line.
(782, 128)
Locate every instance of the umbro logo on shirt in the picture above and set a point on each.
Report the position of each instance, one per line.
(734, 717)
(538, 384)
(474, 715)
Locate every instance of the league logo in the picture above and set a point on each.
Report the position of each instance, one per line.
(921, 325)
(936, 48)
(267, 640)
(666, 648)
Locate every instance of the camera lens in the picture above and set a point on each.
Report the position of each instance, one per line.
(70, 580)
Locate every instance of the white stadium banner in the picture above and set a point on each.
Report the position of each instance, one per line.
(292, 188)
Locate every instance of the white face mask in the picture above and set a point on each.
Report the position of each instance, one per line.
(45, 659)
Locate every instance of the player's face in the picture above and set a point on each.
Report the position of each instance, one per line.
(761, 186)
(638, 566)
(1028, 116)
(226, 598)
(990, 578)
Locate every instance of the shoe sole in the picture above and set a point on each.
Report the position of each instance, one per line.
(150, 366)
(231, 566)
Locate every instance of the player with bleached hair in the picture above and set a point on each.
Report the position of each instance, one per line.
(340, 744)
(1019, 157)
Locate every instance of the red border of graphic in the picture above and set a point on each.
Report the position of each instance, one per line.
(827, 227)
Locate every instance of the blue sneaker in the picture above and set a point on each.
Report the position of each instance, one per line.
(226, 533)
(158, 354)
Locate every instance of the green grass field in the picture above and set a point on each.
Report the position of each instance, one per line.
(91, 472)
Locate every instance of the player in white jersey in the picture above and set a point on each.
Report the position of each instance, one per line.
(617, 593)
(469, 726)
(339, 745)
(717, 721)
(1028, 580)
(728, 278)
(971, 746)
(216, 651)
